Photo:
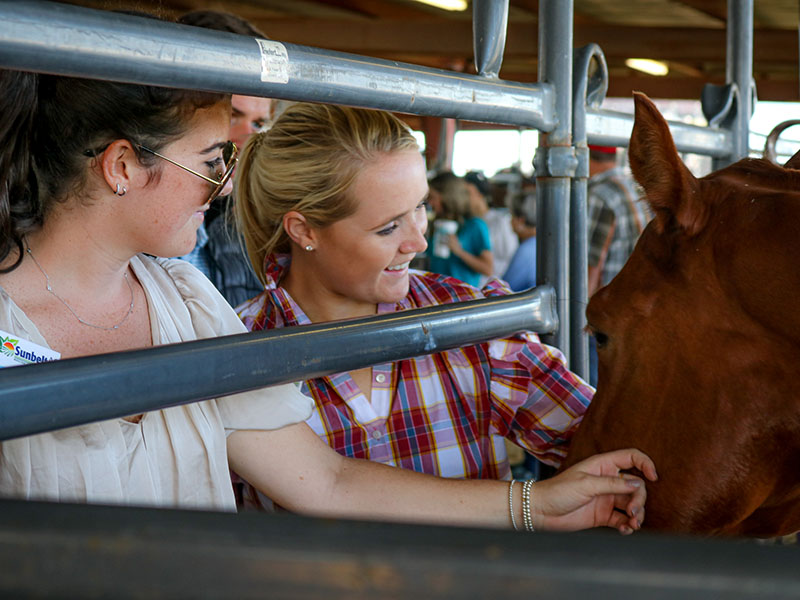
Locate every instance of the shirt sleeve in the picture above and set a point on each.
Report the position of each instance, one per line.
(600, 221)
(537, 402)
(521, 272)
(211, 316)
(483, 240)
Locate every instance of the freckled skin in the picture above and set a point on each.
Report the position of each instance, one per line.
(166, 215)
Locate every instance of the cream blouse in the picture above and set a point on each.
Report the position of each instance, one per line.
(175, 457)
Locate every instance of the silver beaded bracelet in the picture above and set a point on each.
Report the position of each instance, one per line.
(526, 504)
(511, 503)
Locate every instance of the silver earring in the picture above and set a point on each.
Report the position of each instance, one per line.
(309, 248)
(122, 191)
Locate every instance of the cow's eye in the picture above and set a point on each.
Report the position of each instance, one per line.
(600, 338)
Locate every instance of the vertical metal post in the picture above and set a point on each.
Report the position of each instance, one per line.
(739, 70)
(555, 163)
(590, 84)
(489, 24)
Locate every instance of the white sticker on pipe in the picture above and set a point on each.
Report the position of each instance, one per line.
(274, 61)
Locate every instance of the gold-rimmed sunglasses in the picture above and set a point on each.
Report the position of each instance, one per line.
(230, 156)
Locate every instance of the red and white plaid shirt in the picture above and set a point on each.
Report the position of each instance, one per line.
(446, 413)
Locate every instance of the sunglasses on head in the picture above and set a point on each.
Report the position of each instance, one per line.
(230, 156)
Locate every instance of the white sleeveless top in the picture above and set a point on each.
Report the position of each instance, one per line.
(175, 457)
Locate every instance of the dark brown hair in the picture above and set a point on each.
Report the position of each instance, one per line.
(47, 125)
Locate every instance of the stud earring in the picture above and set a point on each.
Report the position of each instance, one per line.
(309, 248)
(121, 190)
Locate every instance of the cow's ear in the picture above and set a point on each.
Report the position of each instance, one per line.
(671, 190)
(794, 162)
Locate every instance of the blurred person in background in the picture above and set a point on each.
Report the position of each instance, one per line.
(521, 272)
(494, 212)
(469, 253)
(615, 219)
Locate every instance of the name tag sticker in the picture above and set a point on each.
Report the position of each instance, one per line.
(16, 351)
(274, 61)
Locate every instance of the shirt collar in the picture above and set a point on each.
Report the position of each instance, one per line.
(276, 265)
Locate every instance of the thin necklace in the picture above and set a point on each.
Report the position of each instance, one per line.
(69, 308)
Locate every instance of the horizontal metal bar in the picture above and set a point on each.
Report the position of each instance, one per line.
(48, 396)
(611, 128)
(72, 551)
(70, 40)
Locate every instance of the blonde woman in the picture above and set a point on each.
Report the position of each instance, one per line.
(331, 202)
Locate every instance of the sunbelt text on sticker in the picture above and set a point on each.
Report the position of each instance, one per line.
(15, 351)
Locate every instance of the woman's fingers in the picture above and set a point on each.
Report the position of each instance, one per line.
(629, 458)
(630, 496)
(636, 515)
(619, 484)
(644, 463)
(621, 523)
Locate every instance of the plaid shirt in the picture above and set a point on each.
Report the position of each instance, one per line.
(615, 219)
(447, 413)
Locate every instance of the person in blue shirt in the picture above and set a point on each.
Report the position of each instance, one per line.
(470, 247)
(521, 272)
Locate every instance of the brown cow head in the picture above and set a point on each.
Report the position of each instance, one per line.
(699, 343)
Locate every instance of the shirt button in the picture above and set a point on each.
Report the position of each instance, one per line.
(380, 377)
(377, 434)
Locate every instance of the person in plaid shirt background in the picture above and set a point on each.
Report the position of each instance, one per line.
(331, 202)
(615, 219)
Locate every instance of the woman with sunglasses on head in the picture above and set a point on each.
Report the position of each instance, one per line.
(98, 178)
(331, 203)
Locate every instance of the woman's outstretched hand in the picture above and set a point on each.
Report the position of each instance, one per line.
(595, 493)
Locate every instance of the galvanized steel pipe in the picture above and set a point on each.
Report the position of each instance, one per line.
(70, 40)
(739, 70)
(589, 86)
(613, 128)
(555, 162)
(48, 396)
(489, 24)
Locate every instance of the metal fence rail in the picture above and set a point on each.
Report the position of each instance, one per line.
(69, 551)
(612, 128)
(49, 396)
(71, 40)
(48, 37)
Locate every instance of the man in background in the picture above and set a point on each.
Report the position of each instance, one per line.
(615, 219)
(521, 272)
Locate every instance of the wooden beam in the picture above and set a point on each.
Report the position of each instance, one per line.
(690, 88)
(713, 8)
(455, 39)
(527, 7)
(379, 10)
